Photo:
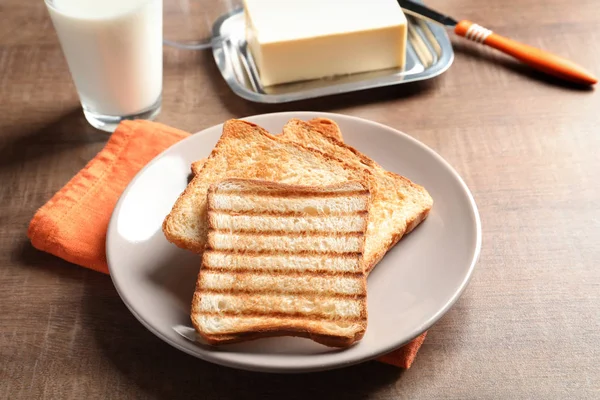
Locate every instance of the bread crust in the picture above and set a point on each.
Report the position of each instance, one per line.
(325, 126)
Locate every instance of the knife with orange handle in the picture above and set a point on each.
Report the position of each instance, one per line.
(541, 60)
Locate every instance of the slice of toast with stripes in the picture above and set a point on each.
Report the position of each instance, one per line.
(283, 260)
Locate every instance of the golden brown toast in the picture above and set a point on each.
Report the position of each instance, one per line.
(283, 260)
(324, 125)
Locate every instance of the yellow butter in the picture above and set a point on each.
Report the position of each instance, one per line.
(295, 40)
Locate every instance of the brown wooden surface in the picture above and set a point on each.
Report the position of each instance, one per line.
(528, 326)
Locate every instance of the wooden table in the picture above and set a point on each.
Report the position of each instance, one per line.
(528, 326)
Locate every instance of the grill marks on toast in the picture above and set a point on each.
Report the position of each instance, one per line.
(282, 272)
(281, 305)
(273, 223)
(242, 291)
(274, 314)
(298, 194)
(282, 213)
(251, 234)
(272, 273)
(278, 262)
(261, 243)
(282, 283)
(325, 205)
(288, 253)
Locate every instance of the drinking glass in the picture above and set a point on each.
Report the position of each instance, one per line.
(114, 52)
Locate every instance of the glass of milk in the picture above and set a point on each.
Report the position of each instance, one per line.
(114, 52)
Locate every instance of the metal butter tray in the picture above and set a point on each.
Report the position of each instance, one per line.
(429, 53)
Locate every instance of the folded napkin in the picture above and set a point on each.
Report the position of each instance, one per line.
(72, 225)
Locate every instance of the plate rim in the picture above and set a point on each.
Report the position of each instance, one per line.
(261, 367)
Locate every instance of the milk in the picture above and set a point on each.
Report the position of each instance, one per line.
(114, 52)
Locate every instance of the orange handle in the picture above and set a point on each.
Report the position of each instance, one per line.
(536, 58)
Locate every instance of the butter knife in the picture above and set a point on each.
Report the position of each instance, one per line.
(539, 59)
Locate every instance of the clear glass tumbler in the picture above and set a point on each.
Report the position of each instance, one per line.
(115, 55)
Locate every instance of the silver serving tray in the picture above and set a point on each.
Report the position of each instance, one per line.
(429, 53)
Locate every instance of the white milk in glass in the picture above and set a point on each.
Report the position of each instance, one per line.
(114, 52)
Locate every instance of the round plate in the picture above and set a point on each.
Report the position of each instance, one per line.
(409, 290)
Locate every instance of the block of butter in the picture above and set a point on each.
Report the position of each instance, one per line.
(295, 40)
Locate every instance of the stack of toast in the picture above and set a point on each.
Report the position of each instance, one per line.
(289, 226)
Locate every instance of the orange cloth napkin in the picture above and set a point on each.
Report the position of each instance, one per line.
(73, 224)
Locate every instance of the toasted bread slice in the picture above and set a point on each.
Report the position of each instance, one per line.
(399, 205)
(283, 260)
(325, 126)
(245, 150)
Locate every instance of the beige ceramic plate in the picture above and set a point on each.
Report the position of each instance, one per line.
(412, 287)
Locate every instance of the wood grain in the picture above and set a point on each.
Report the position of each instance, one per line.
(528, 326)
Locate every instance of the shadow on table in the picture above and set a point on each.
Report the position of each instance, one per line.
(28, 256)
(485, 55)
(64, 133)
